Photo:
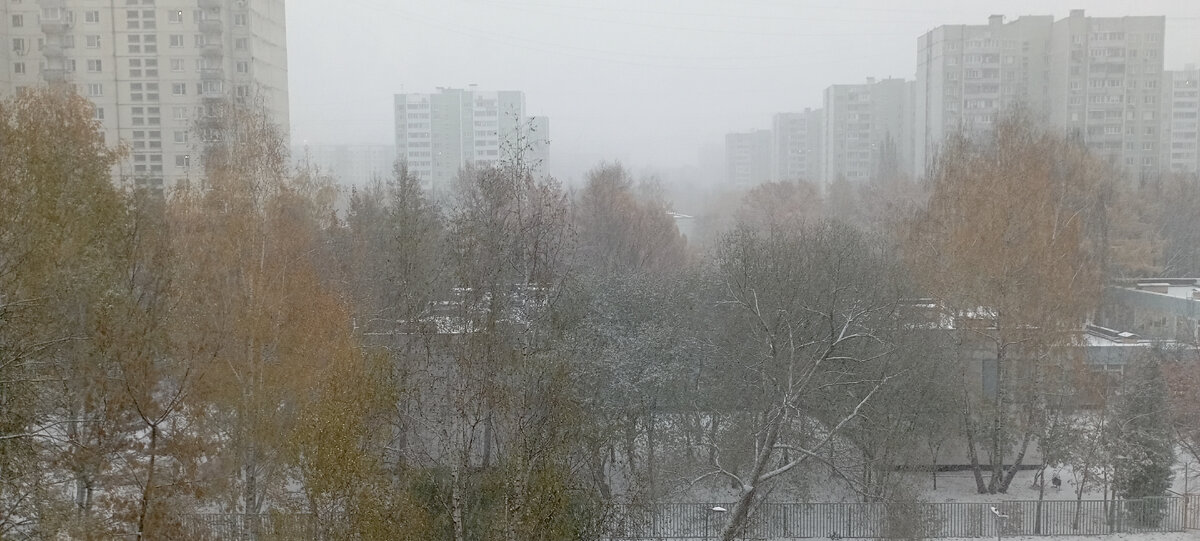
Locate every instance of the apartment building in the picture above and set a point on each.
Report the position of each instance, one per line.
(1095, 77)
(1105, 77)
(153, 69)
(864, 126)
(969, 74)
(349, 164)
(1181, 121)
(438, 133)
(796, 146)
(748, 158)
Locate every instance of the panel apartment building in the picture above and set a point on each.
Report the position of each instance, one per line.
(796, 146)
(748, 157)
(151, 67)
(864, 123)
(1181, 121)
(1097, 77)
(439, 133)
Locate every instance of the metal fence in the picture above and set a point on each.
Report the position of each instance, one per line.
(776, 521)
(781, 521)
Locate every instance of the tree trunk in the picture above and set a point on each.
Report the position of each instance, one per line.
(1037, 522)
(650, 449)
(741, 508)
(144, 508)
(997, 432)
(973, 455)
(1016, 465)
(456, 501)
(1079, 498)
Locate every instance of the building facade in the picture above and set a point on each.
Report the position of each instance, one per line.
(969, 74)
(748, 158)
(1105, 77)
(1181, 121)
(439, 133)
(796, 146)
(153, 68)
(1097, 78)
(867, 127)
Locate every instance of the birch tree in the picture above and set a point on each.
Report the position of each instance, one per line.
(61, 222)
(1012, 244)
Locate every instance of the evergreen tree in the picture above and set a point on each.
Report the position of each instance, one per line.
(1143, 447)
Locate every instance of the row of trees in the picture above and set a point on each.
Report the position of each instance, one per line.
(510, 362)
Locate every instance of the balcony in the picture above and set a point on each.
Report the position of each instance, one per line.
(210, 26)
(52, 50)
(210, 4)
(212, 74)
(213, 49)
(55, 26)
(54, 75)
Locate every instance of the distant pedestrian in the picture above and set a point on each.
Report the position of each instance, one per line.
(1056, 482)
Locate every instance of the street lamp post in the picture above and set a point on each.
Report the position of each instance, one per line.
(1000, 518)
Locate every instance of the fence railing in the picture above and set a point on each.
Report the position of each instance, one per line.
(893, 520)
(778, 521)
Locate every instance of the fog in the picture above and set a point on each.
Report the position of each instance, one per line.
(653, 84)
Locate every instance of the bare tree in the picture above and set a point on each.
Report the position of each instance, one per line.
(807, 314)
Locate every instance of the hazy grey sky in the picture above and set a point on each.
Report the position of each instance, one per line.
(649, 82)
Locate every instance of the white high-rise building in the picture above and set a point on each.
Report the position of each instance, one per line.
(968, 74)
(153, 68)
(796, 146)
(439, 133)
(1097, 78)
(1105, 74)
(748, 158)
(1181, 120)
(864, 125)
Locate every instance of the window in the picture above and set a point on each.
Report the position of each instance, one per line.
(1148, 145)
(95, 89)
(199, 40)
(18, 21)
(239, 44)
(182, 160)
(178, 89)
(179, 113)
(18, 45)
(91, 16)
(176, 64)
(92, 42)
(19, 67)
(93, 65)
(239, 19)
(68, 41)
(181, 137)
(175, 16)
(70, 65)
(176, 40)
(243, 67)
(98, 113)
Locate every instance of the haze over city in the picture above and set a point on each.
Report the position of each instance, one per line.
(606, 270)
(648, 83)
